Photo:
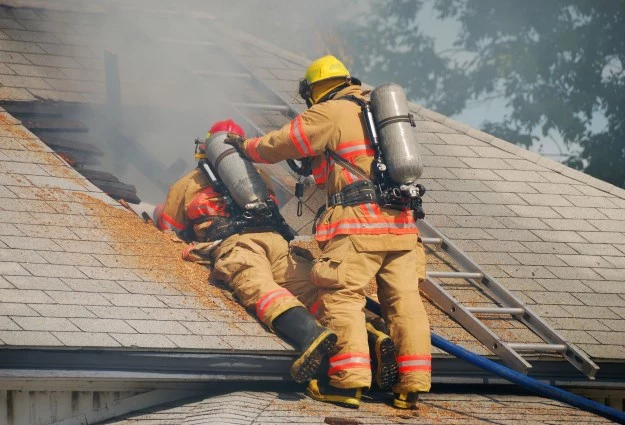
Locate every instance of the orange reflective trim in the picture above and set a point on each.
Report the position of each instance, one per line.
(320, 173)
(349, 361)
(251, 148)
(269, 298)
(300, 128)
(298, 137)
(170, 222)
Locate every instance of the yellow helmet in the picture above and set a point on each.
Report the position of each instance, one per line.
(323, 69)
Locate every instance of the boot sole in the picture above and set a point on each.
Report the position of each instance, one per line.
(405, 405)
(305, 367)
(387, 371)
(350, 402)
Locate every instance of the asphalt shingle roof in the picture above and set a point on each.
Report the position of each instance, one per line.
(553, 235)
(76, 270)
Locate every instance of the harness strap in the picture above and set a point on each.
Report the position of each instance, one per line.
(360, 192)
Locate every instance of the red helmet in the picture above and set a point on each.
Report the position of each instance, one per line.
(228, 126)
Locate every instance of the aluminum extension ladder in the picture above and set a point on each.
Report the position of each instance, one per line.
(433, 287)
(508, 352)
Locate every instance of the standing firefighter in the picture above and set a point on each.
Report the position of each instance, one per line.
(226, 206)
(361, 235)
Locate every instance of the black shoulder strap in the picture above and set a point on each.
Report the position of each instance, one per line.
(352, 98)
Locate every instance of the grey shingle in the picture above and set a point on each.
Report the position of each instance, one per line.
(38, 244)
(584, 312)
(6, 324)
(102, 325)
(487, 163)
(558, 236)
(34, 282)
(107, 273)
(604, 237)
(502, 246)
(197, 341)
(606, 287)
(53, 270)
(19, 255)
(44, 324)
(558, 298)
(16, 309)
(158, 327)
(143, 341)
(125, 313)
(611, 338)
(91, 285)
(476, 221)
(520, 176)
(533, 211)
(77, 298)
(512, 235)
(610, 274)
(600, 300)
(584, 260)
(529, 223)
(536, 272)
(595, 249)
(85, 339)
(134, 300)
(29, 338)
(575, 273)
(61, 310)
(538, 259)
(218, 328)
(12, 268)
(579, 212)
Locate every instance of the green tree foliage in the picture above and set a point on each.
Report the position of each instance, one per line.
(559, 65)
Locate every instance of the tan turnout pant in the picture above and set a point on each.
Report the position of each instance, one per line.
(344, 271)
(263, 274)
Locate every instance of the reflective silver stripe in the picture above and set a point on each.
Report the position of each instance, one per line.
(414, 363)
(300, 138)
(344, 226)
(363, 360)
(344, 151)
(270, 298)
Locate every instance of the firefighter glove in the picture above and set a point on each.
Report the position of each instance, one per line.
(236, 142)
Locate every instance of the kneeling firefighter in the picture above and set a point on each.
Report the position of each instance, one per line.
(226, 206)
(366, 154)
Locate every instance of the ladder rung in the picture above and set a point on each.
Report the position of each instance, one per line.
(432, 241)
(517, 346)
(223, 74)
(496, 310)
(266, 106)
(459, 275)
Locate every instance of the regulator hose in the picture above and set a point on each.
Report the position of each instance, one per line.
(520, 379)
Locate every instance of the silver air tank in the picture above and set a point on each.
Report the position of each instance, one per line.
(239, 176)
(396, 133)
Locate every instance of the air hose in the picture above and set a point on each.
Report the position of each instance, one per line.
(515, 377)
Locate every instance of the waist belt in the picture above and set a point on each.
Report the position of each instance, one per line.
(360, 192)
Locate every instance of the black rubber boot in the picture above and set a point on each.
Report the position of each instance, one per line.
(308, 336)
(382, 351)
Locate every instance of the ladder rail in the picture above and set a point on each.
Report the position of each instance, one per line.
(441, 297)
(488, 283)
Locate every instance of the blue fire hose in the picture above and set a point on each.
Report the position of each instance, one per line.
(520, 379)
